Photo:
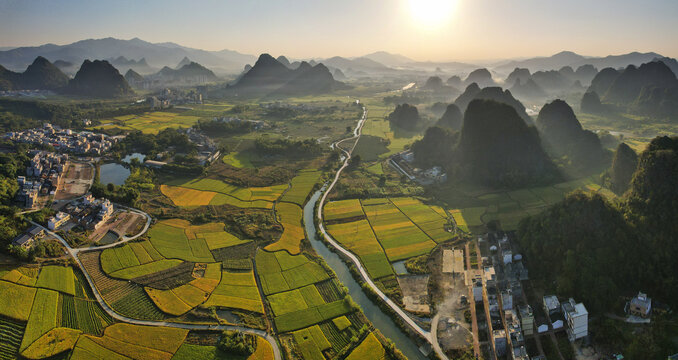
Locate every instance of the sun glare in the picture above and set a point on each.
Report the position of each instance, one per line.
(431, 13)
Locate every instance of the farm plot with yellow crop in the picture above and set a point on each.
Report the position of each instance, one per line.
(398, 235)
(301, 186)
(170, 239)
(290, 217)
(236, 290)
(150, 122)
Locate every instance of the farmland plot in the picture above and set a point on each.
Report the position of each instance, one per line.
(58, 278)
(290, 216)
(43, 316)
(236, 290)
(301, 186)
(169, 238)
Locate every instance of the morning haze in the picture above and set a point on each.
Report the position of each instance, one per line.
(339, 180)
(434, 30)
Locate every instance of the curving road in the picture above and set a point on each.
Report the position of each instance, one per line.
(363, 273)
(74, 253)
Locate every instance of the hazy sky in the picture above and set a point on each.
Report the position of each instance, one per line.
(420, 29)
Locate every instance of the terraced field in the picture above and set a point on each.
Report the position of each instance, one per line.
(16, 300)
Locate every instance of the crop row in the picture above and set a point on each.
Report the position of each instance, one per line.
(338, 339)
(136, 304)
(11, 333)
(329, 291)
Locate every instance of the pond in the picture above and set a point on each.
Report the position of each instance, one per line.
(399, 267)
(138, 156)
(378, 318)
(113, 173)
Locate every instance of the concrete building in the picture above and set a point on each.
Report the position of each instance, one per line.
(477, 290)
(57, 220)
(500, 342)
(28, 239)
(551, 304)
(506, 300)
(641, 305)
(526, 319)
(577, 319)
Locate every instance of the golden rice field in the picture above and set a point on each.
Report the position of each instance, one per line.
(290, 217)
(301, 186)
(150, 122)
(236, 290)
(125, 341)
(182, 299)
(215, 192)
(369, 349)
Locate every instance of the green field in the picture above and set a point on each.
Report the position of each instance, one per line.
(150, 122)
(16, 300)
(311, 342)
(43, 316)
(475, 206)
(304, 318)
(236, 290)
(301, 186)
(275, 278)
(58, 278)
(240, 159)
(267, 193)
(169, 238)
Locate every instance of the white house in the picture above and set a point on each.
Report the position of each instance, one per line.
(577, 319)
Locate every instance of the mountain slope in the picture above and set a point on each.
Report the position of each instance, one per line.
(99, 78)
(40, 75)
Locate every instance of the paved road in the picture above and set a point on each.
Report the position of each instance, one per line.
(363, 273)
(74, 253)
(472, 301)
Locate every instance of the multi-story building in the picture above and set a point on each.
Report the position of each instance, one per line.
(58, 220)
(526, 319)
(551, 304)
(577, 319)
(641, 305)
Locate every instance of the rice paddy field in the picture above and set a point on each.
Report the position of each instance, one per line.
(301, 186)
(126, 341)
(281, 271)
(369, 349)
(236, 290)
(150, 122)
(182, 299)
(240, 159)
(381, 231)
(199, 192)
(290, 217)
(170, 238)
(474, 207)
(203, 352)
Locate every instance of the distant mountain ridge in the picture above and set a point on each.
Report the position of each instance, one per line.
(569, 58)
(161, 54)
(98, 78)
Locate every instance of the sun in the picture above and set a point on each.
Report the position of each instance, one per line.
(431, 14)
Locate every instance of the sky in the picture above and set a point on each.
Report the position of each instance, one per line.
(437, 30)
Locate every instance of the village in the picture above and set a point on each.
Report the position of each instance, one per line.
(65, 140)
(403, 163)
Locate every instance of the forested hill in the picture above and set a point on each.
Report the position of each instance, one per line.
(614, 249)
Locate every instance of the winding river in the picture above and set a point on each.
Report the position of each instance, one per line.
(378, 318)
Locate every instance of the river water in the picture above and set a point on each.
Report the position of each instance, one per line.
(378, 318)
